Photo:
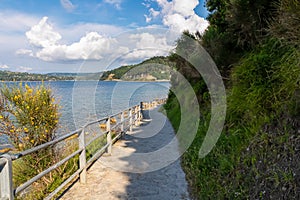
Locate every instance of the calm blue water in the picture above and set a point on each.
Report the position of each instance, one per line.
(83, 101)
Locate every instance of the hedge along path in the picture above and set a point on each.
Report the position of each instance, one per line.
(106, 183)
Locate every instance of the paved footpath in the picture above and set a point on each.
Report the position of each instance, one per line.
(141, 167)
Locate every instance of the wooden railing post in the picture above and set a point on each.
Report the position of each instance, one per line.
(6, 184)
(108, 136)
(130, 120)
(82, 157)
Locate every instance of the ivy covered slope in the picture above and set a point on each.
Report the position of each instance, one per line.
(153, 69)
(256, 47)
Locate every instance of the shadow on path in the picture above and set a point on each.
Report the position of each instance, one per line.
(141, 166)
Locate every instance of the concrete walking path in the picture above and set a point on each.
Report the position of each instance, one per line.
(133, 171)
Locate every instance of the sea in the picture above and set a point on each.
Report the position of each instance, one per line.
(83, 101)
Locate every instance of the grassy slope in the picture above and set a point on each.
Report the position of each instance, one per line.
(257, 155)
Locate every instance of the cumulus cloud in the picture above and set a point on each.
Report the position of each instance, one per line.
(82, 28)
(116, 3)
(23, 69)
(148, 18)
(4, 67)
(147, 40)
(147, 5)
(90, 47)
(152, 14)
(147, 45)
(42, 34)
(24, 52)
(180, 16)
(48, 44)
(68, 5)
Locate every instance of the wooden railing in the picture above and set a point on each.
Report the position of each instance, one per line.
(118, 124)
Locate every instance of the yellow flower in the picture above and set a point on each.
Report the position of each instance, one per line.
(27, 107)
(26, 129)
(20, 146)
(1, 117)
(27, 87)
(15, 97)
(30, 91)
(32, 141)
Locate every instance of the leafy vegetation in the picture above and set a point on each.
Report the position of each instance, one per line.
(29, 117)
(156, 68)
(255, 45)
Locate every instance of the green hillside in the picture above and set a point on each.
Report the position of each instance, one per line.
(153, 69)
(24, 76)
(256, 47)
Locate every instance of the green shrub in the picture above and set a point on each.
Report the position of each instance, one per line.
(29, 117)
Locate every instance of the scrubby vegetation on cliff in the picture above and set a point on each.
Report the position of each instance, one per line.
(255, 45)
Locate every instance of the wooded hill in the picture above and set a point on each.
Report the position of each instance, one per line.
(24, 76)
(153, 69)
(55, 76)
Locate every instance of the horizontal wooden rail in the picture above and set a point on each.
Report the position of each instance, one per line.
(119, 123)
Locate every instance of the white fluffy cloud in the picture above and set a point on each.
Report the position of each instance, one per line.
(4, 67)
(68, 5)
(42, 34)
(49, 45)
(147, 45)
(147, 40)
(179, 15)
(90, 47)
(152, 14)
(82, 28)
(24, 52)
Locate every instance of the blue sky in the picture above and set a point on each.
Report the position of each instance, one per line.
(92, 35)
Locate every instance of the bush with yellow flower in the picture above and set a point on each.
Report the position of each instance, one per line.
(29, 116)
